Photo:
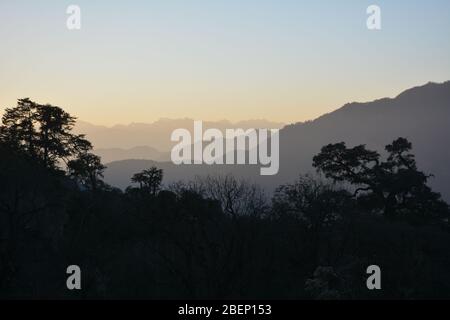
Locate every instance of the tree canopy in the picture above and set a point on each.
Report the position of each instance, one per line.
(43, 132)
(395, 186)
(215, 237)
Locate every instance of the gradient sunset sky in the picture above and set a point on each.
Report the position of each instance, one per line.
(138, 61)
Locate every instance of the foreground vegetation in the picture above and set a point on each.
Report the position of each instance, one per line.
(215, 237)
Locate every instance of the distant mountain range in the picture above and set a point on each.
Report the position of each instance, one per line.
(421, 114)
(141, 152)
(155, 135)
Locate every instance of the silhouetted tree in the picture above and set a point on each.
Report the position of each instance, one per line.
(87, 169)
(238, 197)
(313, 202)
(317, 209)
(149, 180)
(394, 186)
(18, 127)
(43, 132)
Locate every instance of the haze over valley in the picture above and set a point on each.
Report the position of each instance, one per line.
(421, 114)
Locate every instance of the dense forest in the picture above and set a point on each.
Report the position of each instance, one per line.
(217, 237)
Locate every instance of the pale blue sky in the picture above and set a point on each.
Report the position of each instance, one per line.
(137, 61)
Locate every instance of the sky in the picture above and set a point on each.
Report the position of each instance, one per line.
(281, 60)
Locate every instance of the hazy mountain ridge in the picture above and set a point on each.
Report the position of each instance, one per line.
(140, 152)
(157, 134)
(421, 114)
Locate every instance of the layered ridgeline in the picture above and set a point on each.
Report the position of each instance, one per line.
(421, 114)
(156, 134)
(150, 141)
